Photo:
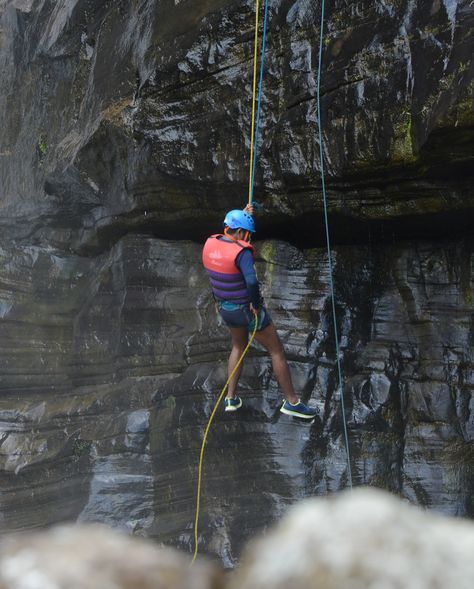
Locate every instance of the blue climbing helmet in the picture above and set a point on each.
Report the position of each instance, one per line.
(237, 219)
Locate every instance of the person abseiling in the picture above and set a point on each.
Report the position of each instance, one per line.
(229, 261)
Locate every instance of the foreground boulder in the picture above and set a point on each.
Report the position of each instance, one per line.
(86, 557)
(361, 540)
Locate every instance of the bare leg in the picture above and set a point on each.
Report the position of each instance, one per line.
(270, 340)
(239, 342)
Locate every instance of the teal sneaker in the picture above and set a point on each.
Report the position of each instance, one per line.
(298, 410)
(232, 404)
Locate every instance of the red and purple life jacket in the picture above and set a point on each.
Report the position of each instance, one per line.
(227, 281)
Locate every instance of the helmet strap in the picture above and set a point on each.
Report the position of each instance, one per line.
(227, 234)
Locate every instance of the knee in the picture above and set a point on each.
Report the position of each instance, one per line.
(278, 353)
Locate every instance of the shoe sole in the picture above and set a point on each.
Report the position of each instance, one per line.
(296, 414)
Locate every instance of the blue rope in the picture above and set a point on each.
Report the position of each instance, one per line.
(328, 243)
(323, 187)
(260, 85)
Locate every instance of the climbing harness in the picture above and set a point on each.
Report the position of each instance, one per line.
(328, 244)
(206, 432)
(255, 123)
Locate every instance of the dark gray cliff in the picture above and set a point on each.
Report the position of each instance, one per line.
(114, 110)
(125, 139)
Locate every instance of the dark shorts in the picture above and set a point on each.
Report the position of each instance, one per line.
(242, 316)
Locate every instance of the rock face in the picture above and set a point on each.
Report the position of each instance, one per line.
(364, 539)
(125, 139)
(136, 116)
(112, 433)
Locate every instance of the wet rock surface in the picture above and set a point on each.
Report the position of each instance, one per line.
(117, 440)
(125, 139)
(135, 116)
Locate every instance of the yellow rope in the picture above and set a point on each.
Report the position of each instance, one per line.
(222, 393)
(206, 431)
(254, 95)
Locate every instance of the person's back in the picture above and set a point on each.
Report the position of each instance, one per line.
(220, 255)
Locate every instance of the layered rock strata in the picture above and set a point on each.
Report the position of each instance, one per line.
(122, 449)
(136, 116)
(125, 139)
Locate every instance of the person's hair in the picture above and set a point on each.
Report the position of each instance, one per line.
(233, 231)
